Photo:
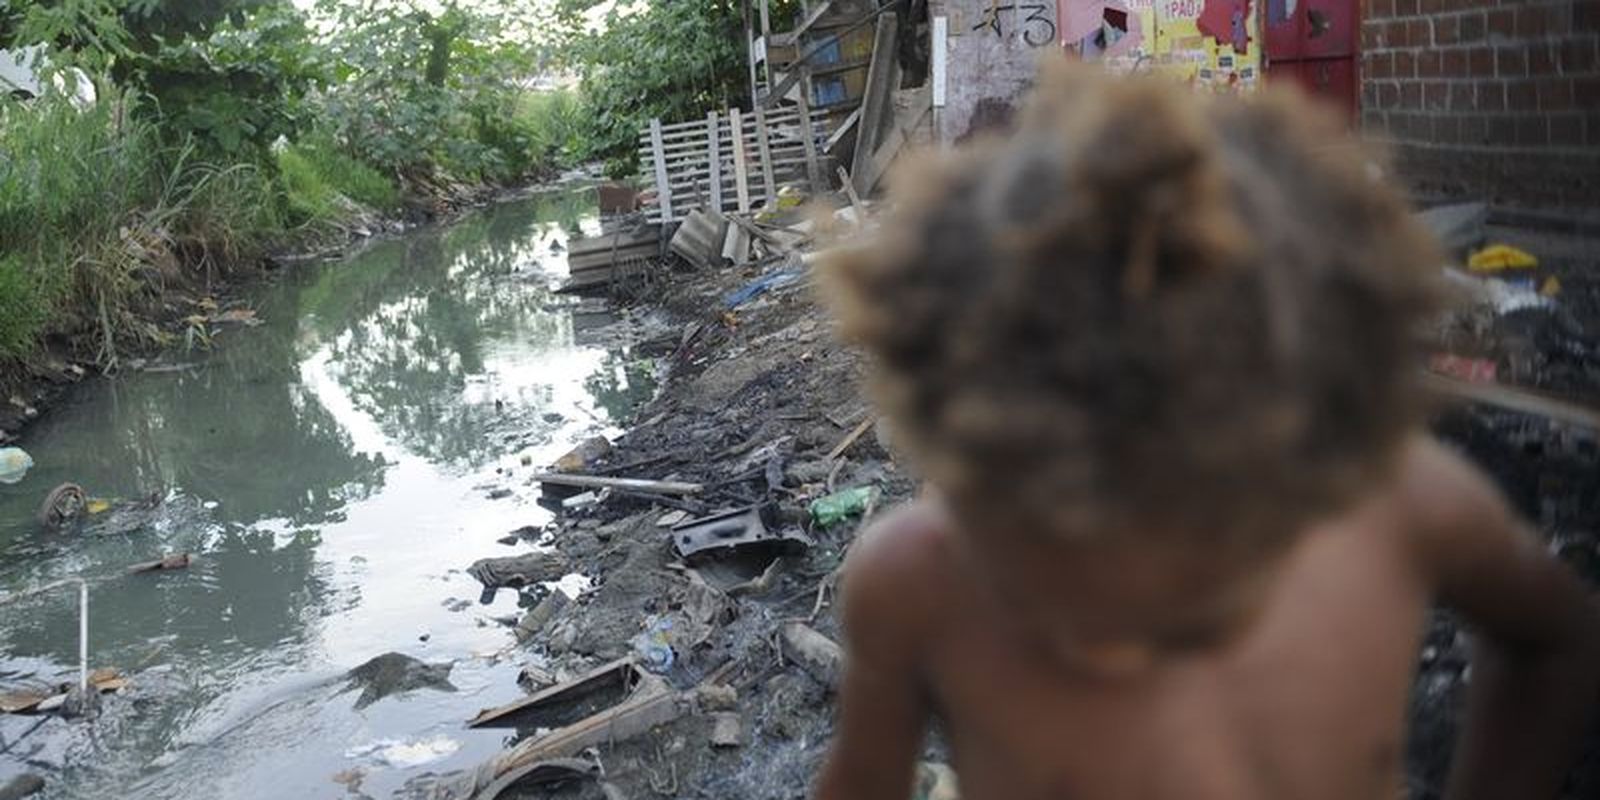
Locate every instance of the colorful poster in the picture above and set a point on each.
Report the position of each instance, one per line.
(1212, 44)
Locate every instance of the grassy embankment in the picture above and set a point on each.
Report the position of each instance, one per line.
(103, 219)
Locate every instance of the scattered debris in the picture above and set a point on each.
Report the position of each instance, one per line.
(588, 453)
(62, 505)
(541, 614)
(14, 464)
(1459, 227)
(727, 729)
(829, 511)
(617, 484)
(554, 775)
(717, 697)
(818, 655)
(671, 518)
(1501, 257)
(394, 673)
(518, 571)
(175, 561)
(21, 786)
(567, 703)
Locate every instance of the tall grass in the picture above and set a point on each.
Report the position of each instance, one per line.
(316, 177)
(97, 216)
(554, 125)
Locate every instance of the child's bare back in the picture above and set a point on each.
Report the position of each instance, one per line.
(1300, 693)
(1177, 545)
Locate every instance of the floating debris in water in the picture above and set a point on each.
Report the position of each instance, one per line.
(402, 754)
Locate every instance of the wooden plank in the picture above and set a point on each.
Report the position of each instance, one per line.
(764, 146)
(663, 189)
(850, 191)
(741, 177)
(807, 136)
(940, 52)
(904, 126)
(631, 484)
(1511, 398)
(811, 19)
(714, 160)
(878, 99)
(844, 128)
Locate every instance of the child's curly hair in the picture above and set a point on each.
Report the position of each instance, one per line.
(1145, 310)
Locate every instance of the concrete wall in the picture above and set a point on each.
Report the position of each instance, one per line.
(993, 55)
(1490, 99)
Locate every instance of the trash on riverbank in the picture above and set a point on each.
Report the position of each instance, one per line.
(517, 571)
(59, 697)
(62, 505)
(14, 464)
(21, 786)
(171, 562)
(396, 673)
(829, 511)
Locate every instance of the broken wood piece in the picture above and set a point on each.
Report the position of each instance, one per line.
(1510, 398)
(175, 561)
(883, 76)
(851, 437)
(850, 192)
(818, 655)
(21, 786)
(727, 729)
(619, 484)
(552, 774)
(622, 677)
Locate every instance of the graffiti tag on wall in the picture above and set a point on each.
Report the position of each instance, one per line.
(1033, 20)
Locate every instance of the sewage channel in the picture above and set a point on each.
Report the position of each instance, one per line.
(332, 469)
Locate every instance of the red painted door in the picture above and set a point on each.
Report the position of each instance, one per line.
(1315, 43)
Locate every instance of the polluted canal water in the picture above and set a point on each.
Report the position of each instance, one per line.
(332, 470)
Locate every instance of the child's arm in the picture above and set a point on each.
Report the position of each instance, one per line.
(1535, 673)
(883, 708)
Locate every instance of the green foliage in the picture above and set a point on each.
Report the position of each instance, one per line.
(673, 60)
(236, 91)
(24, 305)
(317, 179)
(95, 210)
(417, 90)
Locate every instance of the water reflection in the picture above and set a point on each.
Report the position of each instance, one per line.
(326, 469)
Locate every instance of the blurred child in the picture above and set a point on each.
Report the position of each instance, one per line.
(1154, 355)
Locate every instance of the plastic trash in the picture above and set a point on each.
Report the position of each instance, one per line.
(1501, 257)
(14, 463)
(653, 645)
(829, 511)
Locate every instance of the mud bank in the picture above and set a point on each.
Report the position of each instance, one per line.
(763, 409)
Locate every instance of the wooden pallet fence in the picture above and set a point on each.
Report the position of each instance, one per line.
(729, 161)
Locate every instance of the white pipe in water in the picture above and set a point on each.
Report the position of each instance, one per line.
(83, 638)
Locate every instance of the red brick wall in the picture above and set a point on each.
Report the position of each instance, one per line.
(1491, 99)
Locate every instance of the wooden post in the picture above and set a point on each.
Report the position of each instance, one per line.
(750, 53)
(714, 153)
(808, 135)
(659, 156)
(878, 100)
(741, 178)
(940, 58)
(764, 149)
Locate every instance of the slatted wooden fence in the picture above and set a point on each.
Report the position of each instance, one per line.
(730, 161)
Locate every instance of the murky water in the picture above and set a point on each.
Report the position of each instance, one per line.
(330, 470)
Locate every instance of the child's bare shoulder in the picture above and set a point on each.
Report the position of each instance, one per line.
(896, 569)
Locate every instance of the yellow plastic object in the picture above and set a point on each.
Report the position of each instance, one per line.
(1501, 257)
(97, 506)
